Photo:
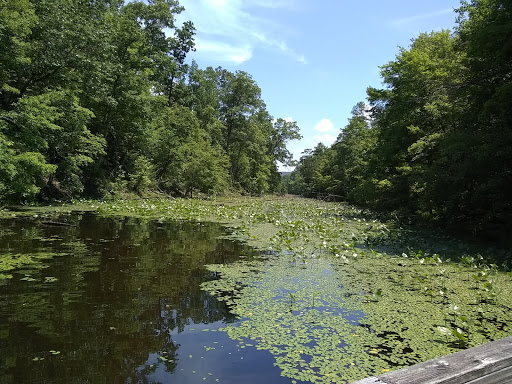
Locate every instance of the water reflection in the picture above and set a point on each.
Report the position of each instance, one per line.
(102, 300)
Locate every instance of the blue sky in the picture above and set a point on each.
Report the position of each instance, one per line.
(313, 59)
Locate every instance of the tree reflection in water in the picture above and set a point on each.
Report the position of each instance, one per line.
(98, 299)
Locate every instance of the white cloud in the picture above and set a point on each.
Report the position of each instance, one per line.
(232, 32)
(324, 125)
(326, 139)
(224, 52)
(416, 18)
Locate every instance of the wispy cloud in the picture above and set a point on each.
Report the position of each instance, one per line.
(232, 53)
(230, 31)
(416, 18)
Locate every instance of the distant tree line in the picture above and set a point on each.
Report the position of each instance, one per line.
(96, 98)
(436, 141)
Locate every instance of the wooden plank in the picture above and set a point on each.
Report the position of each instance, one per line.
(490, 363)
(500, 377)
(371, 380)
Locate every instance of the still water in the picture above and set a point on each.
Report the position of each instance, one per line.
(85, 299)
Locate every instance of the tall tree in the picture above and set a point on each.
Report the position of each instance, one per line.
(353, 150)
(485, 29)
(414, 115)
(240, 100)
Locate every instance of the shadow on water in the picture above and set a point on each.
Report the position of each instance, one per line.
(85, 299)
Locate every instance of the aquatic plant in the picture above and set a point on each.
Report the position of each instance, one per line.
(336, 295)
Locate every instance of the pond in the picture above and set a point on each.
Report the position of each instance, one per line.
(333, 295)
(86, 299)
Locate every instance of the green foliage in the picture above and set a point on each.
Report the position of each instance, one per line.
(282, 132)
(53, 126)
(16, 20)
(141, 179)
(417, 117)
(484, 29)
(96, 97)
(313, 174)
(352, 154)
(22, 175)
(205, 167)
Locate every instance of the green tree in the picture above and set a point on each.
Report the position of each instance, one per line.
(312, 175)
(282, 132)
(172, 129)
(96, 96)
(21, 174)
(17, 19)
(205, 101)
(135, 44)
(205, 167)
(485, 27)
(240, 100)
(51, 127)
(142, 178)
(414, 115)
(353, 150)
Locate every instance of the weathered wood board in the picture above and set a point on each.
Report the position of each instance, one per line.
(490, 363)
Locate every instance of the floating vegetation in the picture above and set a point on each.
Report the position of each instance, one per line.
(337, 322)
(341, 295)
(297, 315)
(33, 261)
(338, 295)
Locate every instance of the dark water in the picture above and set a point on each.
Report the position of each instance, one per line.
(104, 300)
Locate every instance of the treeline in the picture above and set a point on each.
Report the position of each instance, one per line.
(96, 98)
(436, 141)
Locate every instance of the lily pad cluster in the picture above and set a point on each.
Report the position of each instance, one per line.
(333, 321)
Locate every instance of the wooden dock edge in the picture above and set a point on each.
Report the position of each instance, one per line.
(490, 363)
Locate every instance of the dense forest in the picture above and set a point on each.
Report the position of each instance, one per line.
(436, 141)
(97, 98)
